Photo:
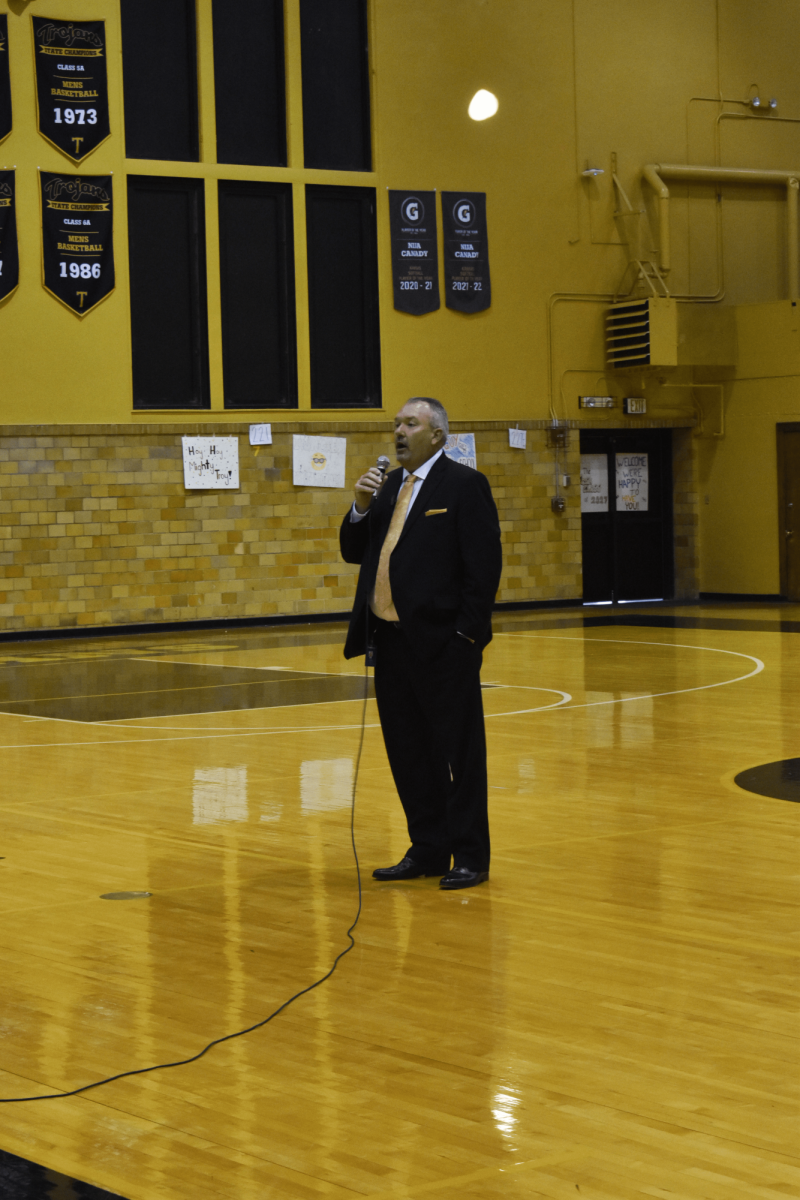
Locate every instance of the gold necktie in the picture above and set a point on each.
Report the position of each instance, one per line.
(381, 602)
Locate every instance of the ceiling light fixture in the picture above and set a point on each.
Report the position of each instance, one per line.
(482, 105)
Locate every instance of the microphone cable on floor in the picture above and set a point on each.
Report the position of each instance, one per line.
(183, 1062)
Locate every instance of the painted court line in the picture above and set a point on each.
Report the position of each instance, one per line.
(563, 703)
(759, 667)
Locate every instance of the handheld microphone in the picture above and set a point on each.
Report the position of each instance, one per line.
(383, 465)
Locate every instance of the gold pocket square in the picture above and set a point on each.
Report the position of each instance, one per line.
(432, 512)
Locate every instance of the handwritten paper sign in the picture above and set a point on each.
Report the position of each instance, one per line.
(518, 438)
(260, 435)
(460, 447)
(632, 482)
(594, 483)
(318, 461)
(210, 462)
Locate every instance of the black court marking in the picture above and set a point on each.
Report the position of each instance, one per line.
(124, 689)
(649, 622)
(778, 780)
(23, 1180)
(740, 624)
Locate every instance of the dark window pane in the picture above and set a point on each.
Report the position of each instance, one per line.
(159, 69)
(336, 121)
(249, 82)
(166, 239)
(344, 331)
(257, 277)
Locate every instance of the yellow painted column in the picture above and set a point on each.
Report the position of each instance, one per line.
(207, 117)
(294, 147)
(206, 96)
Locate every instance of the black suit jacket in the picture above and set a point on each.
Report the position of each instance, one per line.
(445, 569)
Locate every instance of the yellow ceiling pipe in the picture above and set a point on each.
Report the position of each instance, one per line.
(656, 173)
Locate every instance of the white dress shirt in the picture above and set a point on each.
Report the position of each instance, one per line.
(420, 474)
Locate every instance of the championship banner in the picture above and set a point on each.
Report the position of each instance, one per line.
(71, 84)
(466, 251)
(5, 81)
(9, 255)
(77, 246)
(415, 266)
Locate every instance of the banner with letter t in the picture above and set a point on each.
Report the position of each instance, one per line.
(77, 241)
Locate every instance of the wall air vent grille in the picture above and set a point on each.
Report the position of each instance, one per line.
(628, 334)
(642, 333)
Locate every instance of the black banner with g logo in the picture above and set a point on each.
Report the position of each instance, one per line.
(5, 81)
(466, 251)
(9, 254)
(71, 84)
(77, 244)
(415, 261)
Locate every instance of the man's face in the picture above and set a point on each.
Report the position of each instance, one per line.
(415, 442)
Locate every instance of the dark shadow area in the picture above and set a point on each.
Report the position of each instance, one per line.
(127, 688)
(23, 1180)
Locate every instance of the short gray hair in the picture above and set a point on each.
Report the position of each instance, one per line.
(438, 412)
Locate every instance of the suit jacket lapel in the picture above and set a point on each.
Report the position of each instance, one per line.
(391, 490)
(429, 485)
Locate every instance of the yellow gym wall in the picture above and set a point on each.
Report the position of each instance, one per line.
(612, 84)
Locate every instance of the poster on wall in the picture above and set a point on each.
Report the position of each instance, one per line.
(5, 80)
(415, 259)
(77, 244)
(261, 435)
(318, 461)
(9, 254)
(467, 287)
(460, 447)
(632, 482)
(71, 84)
(210, 462)
(594, 483)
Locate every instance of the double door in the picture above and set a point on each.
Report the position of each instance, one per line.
(626, 515)
(789, 508)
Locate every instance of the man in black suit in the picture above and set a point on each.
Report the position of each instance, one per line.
(428, 541)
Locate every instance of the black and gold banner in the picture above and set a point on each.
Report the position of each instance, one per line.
(77, 242)
(5, 80)
(71, 84)
(415, 267)
(9, 254)
(466, 251)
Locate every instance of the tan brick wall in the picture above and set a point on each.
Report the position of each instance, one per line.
(96, 527)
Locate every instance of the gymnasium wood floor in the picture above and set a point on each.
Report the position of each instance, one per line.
(613, 1015)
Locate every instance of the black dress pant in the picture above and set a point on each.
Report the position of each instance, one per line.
(432, 720)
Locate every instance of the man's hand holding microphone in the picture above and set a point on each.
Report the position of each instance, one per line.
(370, 484)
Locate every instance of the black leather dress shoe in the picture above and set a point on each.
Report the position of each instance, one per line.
(406, 869)
(462, 877)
